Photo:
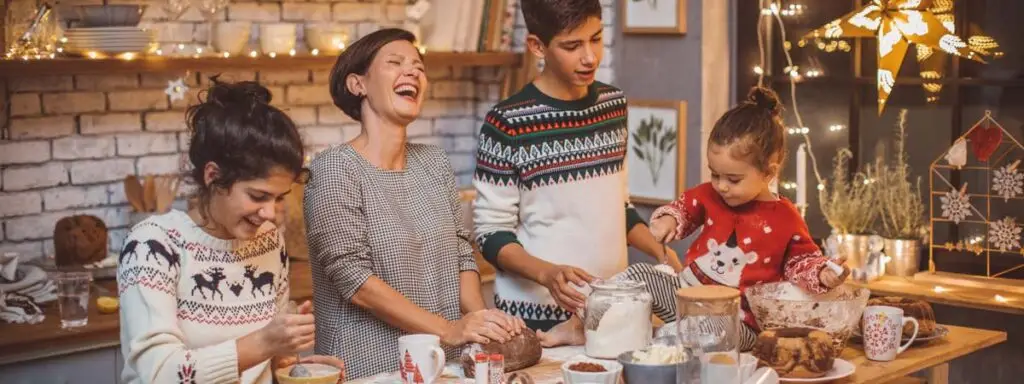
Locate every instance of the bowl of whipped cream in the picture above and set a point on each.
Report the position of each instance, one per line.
(654, 364)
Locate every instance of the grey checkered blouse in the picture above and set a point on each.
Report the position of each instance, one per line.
(404, 227)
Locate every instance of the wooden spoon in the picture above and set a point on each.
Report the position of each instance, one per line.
(167, 189)
(149, 192)
(133, 192)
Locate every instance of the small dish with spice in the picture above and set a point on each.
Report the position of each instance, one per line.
(587, 370)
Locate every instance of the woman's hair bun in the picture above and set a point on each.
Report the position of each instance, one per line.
(248, 94)
(765, 98)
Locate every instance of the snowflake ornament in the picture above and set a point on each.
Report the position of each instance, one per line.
(1008, 182)
(176, 89)
(1004, 234)
(956, 205)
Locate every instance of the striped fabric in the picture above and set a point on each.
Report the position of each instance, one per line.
(663, 287)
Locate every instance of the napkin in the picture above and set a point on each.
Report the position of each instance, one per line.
(28, 280)
(19, 309)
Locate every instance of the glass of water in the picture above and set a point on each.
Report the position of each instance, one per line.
(73, 298)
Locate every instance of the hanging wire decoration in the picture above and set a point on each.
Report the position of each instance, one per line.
(994, 156)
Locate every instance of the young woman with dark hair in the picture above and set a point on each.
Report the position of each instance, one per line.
(388, 251)
(204, 293)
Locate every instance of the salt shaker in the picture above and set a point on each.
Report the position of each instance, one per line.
(497, 369)
(481, 370)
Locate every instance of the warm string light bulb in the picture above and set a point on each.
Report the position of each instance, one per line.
(272, 54)
(315, 52)
(836, 127)
(940, 289)
(1001, 299)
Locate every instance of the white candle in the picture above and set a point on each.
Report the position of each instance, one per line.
(801, 175)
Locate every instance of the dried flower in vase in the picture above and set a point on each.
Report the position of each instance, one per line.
(848, 202)
(901, 209)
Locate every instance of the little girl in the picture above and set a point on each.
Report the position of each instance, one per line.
(750, 236)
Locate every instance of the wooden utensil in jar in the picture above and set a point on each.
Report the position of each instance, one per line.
(166, 190)
(133, 192)
(149, 192)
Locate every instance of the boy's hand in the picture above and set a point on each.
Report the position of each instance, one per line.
(672, 259)
(664, 228)
(560, 279)
(830, 278)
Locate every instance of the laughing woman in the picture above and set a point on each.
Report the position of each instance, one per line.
(204, 293)
(387, 249)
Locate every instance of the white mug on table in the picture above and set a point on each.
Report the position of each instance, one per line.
(420, 355)
(882, 330)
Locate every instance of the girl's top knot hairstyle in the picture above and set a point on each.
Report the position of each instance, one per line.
(235, 127)
(755, 125)
(766, 99)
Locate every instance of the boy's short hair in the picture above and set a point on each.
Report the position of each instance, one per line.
(547, 18)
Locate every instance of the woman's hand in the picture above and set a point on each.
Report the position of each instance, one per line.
(559, 280)
(481, 327)
(288, 333)
(672, 259)
(830, 278)
(664, 228)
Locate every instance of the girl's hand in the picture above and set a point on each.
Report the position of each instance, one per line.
(290, 333)
(327, 360)
(664, 229)
(830, 279)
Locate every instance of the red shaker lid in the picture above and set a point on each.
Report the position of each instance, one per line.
(497, 357)
(481, 357)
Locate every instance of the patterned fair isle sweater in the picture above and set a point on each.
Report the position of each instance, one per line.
(759, 242)
(186, 296)
(551, 176)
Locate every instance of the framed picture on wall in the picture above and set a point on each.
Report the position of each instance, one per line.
(662, 17)
(656, 156)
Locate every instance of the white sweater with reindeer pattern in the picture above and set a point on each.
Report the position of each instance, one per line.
(187, 296)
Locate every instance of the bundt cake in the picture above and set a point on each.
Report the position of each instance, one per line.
(79, 240)
(920, 310)
(795, 352)
(523, 351)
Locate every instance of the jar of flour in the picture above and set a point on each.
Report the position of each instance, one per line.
(617, 318)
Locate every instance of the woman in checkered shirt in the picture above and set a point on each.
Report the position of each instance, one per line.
(388, 251)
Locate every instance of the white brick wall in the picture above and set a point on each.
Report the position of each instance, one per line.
(72, 139)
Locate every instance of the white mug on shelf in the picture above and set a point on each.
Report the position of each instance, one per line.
(278, 38)
(420, 358)
(882, 330)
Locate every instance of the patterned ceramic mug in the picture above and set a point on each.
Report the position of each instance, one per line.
(882, 329)
(421, 358)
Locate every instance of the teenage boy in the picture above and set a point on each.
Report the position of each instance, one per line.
(552, 208)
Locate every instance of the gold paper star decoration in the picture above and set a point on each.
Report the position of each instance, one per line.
(896, 24)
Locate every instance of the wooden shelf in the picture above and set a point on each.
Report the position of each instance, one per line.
(958, 291)
(83, 66)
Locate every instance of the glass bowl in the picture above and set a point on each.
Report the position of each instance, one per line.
(782, 304)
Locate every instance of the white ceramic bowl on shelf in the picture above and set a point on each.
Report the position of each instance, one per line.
(231, 36)
(328, 38)
(278, 38)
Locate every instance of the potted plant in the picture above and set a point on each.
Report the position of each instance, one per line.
(848, 206)
(900, 208)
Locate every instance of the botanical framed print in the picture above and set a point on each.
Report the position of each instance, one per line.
(656, 157)
(663, 17)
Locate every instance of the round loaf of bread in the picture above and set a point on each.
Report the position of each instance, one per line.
(79, 240)
(523, 351)
(795, 352)
(920, 310)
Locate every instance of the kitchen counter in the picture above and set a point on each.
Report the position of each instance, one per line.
(21, 342)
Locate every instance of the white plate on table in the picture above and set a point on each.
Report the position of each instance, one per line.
(840, 369)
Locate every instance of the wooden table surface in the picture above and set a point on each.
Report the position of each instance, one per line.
(935, 355)
(21, 342)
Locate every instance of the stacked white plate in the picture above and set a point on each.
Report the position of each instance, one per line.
(107, 40)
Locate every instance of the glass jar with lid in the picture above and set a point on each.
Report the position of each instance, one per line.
(617, 318)
(708, 333)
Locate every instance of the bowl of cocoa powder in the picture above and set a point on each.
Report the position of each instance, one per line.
(586, 370)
